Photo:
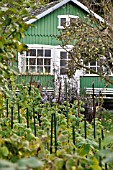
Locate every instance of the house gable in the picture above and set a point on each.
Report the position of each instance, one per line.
(45, 29)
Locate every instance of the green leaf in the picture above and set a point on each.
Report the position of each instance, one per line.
(30, 162)
(70, 163)
(97, 167)
(4, 163)
(5, 151)
(8, 168)
(85, 149)
(107, 140)
(59, 163)
(8, 21)
(18, 36)
(1, 44)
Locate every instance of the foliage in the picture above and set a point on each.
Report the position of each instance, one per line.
(12, 29)
(92, 42)
(22, 164)
(72, 149)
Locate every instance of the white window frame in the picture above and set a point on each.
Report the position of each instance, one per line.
(88, 73)
(67, 17)
(31, 46)
(66, 66)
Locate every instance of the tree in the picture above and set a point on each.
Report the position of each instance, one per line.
(93, 42)
(12, 29)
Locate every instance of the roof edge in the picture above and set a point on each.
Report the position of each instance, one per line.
(51, 9)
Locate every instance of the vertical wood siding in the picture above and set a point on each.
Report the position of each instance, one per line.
(87, 81)
(45, 29)
(45, 80)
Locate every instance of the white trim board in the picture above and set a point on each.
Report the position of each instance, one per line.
(48, 46)
(51, 9)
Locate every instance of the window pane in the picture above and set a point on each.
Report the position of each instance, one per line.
(39, 61)
(26, 68)
(63, 55)
(63, 71)
(99, 70)
(63, 62)
(86, 63)
(92, 68)
(92, 63)
(32, 61)
(62, 21)
(31, 52)
(47, 61)
(47, 53)
(69, 56)
(72, 20)
(39, 69)
(32, 69)
(40, 53)
(47, 69)
(87, 72)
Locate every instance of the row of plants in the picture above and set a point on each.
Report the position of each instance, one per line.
(46, 137)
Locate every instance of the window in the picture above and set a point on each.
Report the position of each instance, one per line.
(65, 20)
(93, 65)
(36, 60)
(64, 58)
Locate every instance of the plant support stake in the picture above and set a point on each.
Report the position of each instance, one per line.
(100, 159)
(7, 107)
(27, 117)
(18, 113)
(51, 140)
(73, 134)
(34, 122)
(102, 134)
(11, 117)
(85, 128)
(94, 110)
(55, 132)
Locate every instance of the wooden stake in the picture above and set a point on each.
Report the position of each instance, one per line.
(27, 117)
(18, 113)
(11, 117)
(51, 139)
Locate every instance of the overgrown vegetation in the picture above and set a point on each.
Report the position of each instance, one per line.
(58, 136)
(43, 136)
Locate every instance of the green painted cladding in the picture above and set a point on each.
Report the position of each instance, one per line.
(87, 81)
(45, 80)
(45, 29)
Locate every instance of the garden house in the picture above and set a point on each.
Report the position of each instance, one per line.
(46, 61)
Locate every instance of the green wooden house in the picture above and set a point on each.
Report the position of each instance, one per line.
(45, 61)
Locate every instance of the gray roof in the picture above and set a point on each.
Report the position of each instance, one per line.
(45, 10)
